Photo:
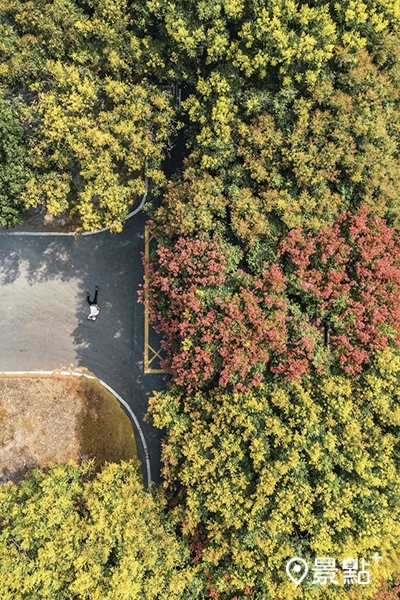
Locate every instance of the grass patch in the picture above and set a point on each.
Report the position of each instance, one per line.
(103, 430)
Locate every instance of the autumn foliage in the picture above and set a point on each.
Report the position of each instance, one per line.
(68, 533)
(388, 594)
(302, 468)
(222, 324)
(348, 276)
(388, 591)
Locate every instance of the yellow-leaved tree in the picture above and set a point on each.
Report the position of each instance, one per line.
(304, 469)
(91, 139)
(66, 534)
(94, 124)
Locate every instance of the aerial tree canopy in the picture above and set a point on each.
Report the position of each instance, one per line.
(308, 469)
(96, 125)
(283, 39)
(335, 148)
(91, 139)
(14, 172)
(292, 107)
(290, 157)
(69, 534)
(234, 318)
(279, 109)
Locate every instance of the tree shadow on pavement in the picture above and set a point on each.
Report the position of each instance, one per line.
(39, 258)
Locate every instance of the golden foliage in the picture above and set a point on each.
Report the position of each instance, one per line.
(302, 469)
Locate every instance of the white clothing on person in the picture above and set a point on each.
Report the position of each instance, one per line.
(94, 311)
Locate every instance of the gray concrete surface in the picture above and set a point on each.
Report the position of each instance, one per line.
(43, 316)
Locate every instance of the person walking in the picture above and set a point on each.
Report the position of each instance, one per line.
(94, 308)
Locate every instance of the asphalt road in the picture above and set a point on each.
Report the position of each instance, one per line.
(43, 317)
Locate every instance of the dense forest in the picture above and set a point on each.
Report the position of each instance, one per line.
(275, 285)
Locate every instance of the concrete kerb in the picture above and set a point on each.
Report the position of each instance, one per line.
(113, 392)
(75, 233)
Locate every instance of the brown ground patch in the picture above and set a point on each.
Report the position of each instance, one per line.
(56, 419)
(37, 219)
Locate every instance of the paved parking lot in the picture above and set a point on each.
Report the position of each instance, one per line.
(43, 316)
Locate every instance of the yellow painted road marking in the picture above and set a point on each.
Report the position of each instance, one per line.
(149, 352)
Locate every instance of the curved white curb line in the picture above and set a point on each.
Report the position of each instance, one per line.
(47, 233)
(114, 393)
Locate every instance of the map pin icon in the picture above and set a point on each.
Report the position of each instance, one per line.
(296, 565)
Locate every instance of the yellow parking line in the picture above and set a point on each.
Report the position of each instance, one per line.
(149, 353)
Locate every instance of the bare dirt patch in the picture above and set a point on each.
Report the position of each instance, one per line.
(56, 419)
(37, 219)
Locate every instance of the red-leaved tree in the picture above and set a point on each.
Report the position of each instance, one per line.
(224, 326)
(219, 323)
(348, 277)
